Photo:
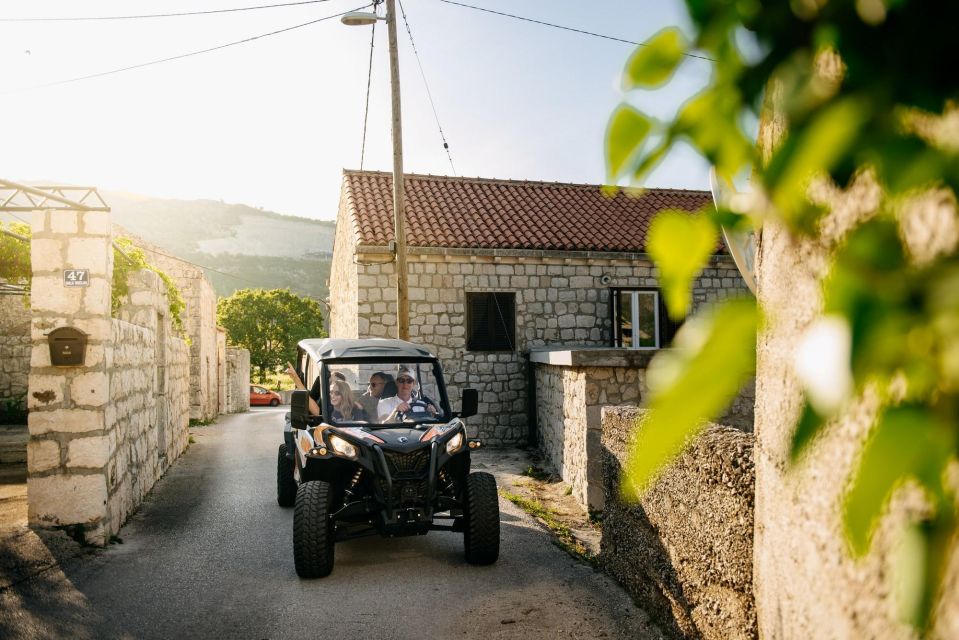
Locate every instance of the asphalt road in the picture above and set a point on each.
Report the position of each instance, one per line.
(209, 555)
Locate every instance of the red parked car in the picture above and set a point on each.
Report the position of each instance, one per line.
(261, 396)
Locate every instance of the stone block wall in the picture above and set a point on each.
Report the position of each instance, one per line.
(199, 321)
(237, 380)
(344, 292)
(684, 551)
(100, 433)
(560, 299)
(569, 401)
(15, 346)
(71, 436)
(572, 387)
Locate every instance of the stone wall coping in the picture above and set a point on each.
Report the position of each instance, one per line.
(586, 356)
(523, 253)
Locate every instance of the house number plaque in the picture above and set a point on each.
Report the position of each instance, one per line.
(76, 277)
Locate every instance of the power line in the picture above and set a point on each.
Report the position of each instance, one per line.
(429, 94)
(161, 15)
(369, 80)
(192, 53)
(559, 26)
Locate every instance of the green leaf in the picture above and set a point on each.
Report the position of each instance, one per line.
(653, 64)
(680, 243)
(812, 149)
(908, 442)
(810, 423)
(625, 134)
(711, 372)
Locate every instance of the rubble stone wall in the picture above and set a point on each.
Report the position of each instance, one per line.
(572, 387)
(15, 345)
(684, 551)
(561, 298)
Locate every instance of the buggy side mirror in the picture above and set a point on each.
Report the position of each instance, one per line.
(300, 409)
(470, 403)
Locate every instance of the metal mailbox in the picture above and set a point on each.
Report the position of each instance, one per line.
(67, 347)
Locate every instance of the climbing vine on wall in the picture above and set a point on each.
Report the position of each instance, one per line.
(128, 258)
(864, 93)
(15, 268)
(15, 254)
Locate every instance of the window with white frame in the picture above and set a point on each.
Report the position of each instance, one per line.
(639, 319)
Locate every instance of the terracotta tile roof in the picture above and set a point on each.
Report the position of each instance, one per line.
(505, 214)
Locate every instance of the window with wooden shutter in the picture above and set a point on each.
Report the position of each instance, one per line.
(491, 321)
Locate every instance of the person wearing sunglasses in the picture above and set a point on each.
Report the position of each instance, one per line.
(381, 386)
(342, 403)
(405, 403)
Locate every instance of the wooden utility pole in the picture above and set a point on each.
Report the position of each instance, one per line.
(399, 194)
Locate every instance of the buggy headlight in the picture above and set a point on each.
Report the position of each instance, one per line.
(454, 443)
(342, 447)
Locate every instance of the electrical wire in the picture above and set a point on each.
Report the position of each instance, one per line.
(187, 55)
(161, 15)
(559, 26)
(369, 80)
(429, 94)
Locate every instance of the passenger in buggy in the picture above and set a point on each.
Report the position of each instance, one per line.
(344, 406)
(407, 402)
(381, 386)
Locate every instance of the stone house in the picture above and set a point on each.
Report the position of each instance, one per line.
(500, 268)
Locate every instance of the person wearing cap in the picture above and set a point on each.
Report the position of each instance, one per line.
(405, 402)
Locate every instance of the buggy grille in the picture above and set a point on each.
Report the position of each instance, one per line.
(408, 471)
(406, 464)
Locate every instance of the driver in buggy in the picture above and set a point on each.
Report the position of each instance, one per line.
(407, 402)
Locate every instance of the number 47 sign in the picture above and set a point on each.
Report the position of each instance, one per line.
(76, 277)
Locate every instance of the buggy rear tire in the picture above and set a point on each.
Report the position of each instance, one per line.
(481, 519)
(274, 402)
(285, 482)
(313, 530)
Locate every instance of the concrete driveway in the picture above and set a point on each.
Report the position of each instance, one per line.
(209, 555)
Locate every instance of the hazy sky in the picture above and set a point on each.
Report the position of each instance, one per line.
(273, 122)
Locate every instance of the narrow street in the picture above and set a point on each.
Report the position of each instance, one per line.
(209, 555)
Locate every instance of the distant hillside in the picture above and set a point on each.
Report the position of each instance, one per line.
(255, 248)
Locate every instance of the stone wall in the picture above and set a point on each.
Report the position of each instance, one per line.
(237, 380)
(101, 433)
(199, 322)
(343, 283)
(684, 551)
(572, 387)
(806, 580)
(560, 299)
(15, 344)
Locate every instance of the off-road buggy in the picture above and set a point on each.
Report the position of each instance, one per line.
(348, 478)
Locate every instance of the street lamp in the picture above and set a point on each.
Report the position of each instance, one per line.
(360, 18)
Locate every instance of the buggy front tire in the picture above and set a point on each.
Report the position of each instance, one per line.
(313, 530)
(481, 519)
(285, 483)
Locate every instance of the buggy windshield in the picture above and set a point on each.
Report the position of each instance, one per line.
(385, 393)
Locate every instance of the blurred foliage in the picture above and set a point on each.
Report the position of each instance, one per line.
(15, 253)
(860, 87)
(269, 323)
(127, 259)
